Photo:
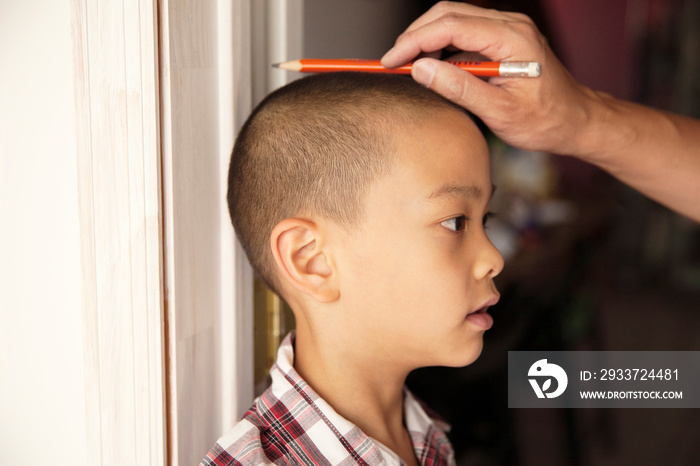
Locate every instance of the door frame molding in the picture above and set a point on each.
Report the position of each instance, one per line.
(119, 194)
(161, 88)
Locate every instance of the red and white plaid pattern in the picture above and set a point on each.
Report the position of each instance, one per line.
(290, 424)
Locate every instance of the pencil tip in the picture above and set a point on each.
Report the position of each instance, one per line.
(289, 65)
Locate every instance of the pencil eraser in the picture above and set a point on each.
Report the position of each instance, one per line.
(533, 70)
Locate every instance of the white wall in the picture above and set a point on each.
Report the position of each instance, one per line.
(42, 412)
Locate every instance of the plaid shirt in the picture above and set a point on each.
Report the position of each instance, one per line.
(291, 425)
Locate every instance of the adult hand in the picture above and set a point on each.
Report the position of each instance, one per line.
(656, 152)
(547, 113)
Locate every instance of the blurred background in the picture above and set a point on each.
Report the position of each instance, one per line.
(590, 263)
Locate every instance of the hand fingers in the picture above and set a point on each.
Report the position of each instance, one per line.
(496, 39)
(430, 37)
(398, 56)
(466, 56)
(459, 86)
(437, 55)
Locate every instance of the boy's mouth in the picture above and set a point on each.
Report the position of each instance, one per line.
(481, 318)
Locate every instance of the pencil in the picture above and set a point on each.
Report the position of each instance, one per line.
(479, 68)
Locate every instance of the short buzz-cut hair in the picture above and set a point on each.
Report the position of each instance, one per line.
(313, 147)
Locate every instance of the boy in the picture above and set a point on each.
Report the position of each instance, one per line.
(361, 199)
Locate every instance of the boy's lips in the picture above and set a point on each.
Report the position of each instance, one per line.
(481, 317)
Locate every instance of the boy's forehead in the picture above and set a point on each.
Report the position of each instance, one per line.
(445, 139)
(443, 159)
(438, 127)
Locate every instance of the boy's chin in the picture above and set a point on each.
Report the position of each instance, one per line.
(465, 357)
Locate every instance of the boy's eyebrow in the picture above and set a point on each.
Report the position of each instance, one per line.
(459, 190)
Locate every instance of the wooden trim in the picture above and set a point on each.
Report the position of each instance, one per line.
(207, 278)
(118, 151)
(237, 276)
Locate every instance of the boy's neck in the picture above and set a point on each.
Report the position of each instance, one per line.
(358, 386)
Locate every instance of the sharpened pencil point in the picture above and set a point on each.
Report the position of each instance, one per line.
(294, 65)
(276, 65)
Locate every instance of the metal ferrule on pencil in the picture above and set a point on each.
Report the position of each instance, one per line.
(519, 69)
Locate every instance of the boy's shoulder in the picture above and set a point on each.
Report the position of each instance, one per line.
(266, 434)
(290, 431)
(241, 445)
(289, 424)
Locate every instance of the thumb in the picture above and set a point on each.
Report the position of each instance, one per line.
(459, 86)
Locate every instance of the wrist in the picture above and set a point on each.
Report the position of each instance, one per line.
(606, 131)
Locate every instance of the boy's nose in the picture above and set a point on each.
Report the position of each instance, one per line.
(489, 261)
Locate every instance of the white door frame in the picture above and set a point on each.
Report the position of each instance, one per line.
(161, 87)
(119, 195)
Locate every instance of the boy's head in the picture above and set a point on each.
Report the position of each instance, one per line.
(313, 147)
(372, 188)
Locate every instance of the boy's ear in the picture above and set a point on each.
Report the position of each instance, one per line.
(298, 251)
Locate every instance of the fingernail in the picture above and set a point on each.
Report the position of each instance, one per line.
(423, 71)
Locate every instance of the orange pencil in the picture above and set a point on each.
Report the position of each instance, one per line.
(479, 68)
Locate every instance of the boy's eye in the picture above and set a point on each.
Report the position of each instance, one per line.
(455, 223)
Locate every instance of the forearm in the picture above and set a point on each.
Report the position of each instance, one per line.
(656, 152)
